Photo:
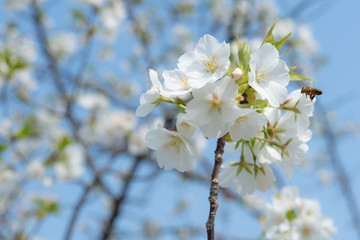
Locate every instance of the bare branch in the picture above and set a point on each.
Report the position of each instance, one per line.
(214, 189)
(116, 209)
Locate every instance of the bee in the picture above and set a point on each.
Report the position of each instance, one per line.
(311, 91)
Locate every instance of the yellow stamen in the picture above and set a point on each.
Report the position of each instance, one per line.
(306, 231)
(184, 124)
(183, 80)
(262, 75)
(241, 119)
(174, 144)
(215, 104)
(210, 65)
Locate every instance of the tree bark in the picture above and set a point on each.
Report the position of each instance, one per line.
(214, 189)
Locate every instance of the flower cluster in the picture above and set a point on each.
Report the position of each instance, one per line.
(246, 101)
(292, 217)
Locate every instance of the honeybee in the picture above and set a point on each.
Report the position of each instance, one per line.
(311, 91)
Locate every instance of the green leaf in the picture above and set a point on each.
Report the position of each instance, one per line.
(242, 88)
(3, 146)
(290, 215)
(292, 109)
(259, 103)
(269, 36)
(77, 14)
(297, 77)
(249, 171)
(45, 207)
(27, 130)
(279, 130)
(244, 56)
(230, 71)
(237, 144)
(262, 170)
(278, 44)
(284, 53)
(65, 141)
(178, 101)
(238, 171)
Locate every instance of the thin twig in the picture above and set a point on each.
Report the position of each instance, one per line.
(78, 208)
(214, 189)
(116, 209)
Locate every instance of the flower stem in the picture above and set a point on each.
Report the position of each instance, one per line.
(214, 189)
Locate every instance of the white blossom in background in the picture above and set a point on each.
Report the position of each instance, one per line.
(49, 125)
(111, 128)
(20, 45)
(182, 35)
(71, 166)
(306, 42)
(24, 82)
(8, 179)
(269, 75)
(325, 176)
(17, 5)
(112, 16)
(267, 12)
(221, 12)
(92, 101)
(207, 63)
(5, 127)
(283, 27)
(62, 44)
(97, 3)
(21, 50)
(254, 201)
(36, 169)
(137, 144)
(292, 217)
(173, 150)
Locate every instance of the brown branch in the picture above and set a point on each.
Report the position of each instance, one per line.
(214, 189)
(118, 201)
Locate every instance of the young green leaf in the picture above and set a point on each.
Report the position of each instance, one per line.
(269, 36)
(297, 77)
(278, 44)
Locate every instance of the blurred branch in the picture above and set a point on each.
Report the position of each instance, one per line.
(339, 169)
(44, 44)
(118, 201)
(79, 206)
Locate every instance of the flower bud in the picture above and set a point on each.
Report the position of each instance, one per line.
(236, 74)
